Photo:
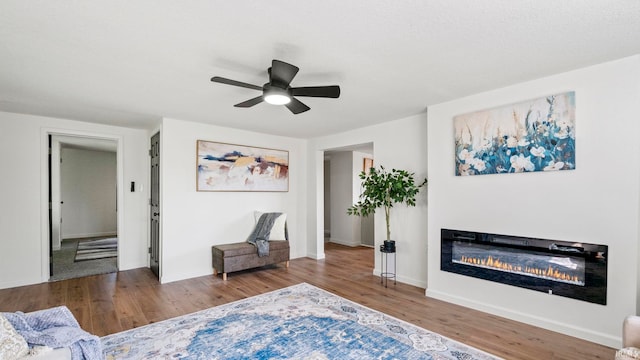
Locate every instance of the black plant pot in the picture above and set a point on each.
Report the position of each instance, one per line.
(389, 246)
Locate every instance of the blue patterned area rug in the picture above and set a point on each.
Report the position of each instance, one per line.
(298, 322)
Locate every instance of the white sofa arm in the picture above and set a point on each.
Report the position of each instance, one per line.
(630, 339)
(631, 331)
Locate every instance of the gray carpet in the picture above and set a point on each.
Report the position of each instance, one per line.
(64, 266)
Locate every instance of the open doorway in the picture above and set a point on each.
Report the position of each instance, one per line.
(342, 167)
(84, 208)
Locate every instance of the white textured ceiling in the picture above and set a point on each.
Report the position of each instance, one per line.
(131, 62)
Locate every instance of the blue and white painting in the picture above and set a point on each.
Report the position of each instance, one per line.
(535, 135)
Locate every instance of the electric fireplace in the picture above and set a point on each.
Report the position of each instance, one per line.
(574, 270)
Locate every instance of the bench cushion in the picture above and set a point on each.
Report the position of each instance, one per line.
(244, 248)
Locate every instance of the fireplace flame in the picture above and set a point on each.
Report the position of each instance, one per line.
(549, 273)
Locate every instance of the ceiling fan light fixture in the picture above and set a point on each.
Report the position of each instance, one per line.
(276, 96)
(277, 99)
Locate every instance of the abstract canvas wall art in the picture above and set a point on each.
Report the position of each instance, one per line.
(534, 135)
(230, 167)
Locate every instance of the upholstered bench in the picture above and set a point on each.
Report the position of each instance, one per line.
(242, 256)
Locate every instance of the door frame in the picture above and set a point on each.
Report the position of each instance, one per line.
(317, 247)
(44, 189)
(158, 271)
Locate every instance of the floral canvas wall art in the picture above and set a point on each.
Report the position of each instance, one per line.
(535, 135)
(230, 167)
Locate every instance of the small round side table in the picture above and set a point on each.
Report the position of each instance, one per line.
(385, 274)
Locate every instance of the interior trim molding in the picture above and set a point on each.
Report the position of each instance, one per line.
(564, 328)
(44, 183)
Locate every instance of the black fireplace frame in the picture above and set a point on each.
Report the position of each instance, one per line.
(594, 289)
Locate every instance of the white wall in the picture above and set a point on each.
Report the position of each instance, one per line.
(364, 227)
(341, 198)
(194, 221)
(88, 190)
(598, 202)
(23, 190)
(398, 144)
(344, 186)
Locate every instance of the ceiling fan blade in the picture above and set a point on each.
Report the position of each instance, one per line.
(250, 102)
(296, 106)
(282, 73)
(332, 91)
(222, 80)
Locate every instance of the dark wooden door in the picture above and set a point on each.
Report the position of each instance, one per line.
(50, 209)
(154, 249)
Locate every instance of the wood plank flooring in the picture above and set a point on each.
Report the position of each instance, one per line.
(105, 304)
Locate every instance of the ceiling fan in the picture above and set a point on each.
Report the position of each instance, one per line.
(278, 90)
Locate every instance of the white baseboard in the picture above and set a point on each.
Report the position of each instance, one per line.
(316, 256)
(20, 282)
(343, 242)
(567, 329)
(405, 280)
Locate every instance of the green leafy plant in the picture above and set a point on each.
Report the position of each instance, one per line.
(383, 189)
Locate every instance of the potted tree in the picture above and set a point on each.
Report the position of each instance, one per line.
(383, 189)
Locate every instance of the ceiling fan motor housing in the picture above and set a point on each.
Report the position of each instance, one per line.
(275, 89)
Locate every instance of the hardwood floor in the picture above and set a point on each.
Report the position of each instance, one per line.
(105, 304)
